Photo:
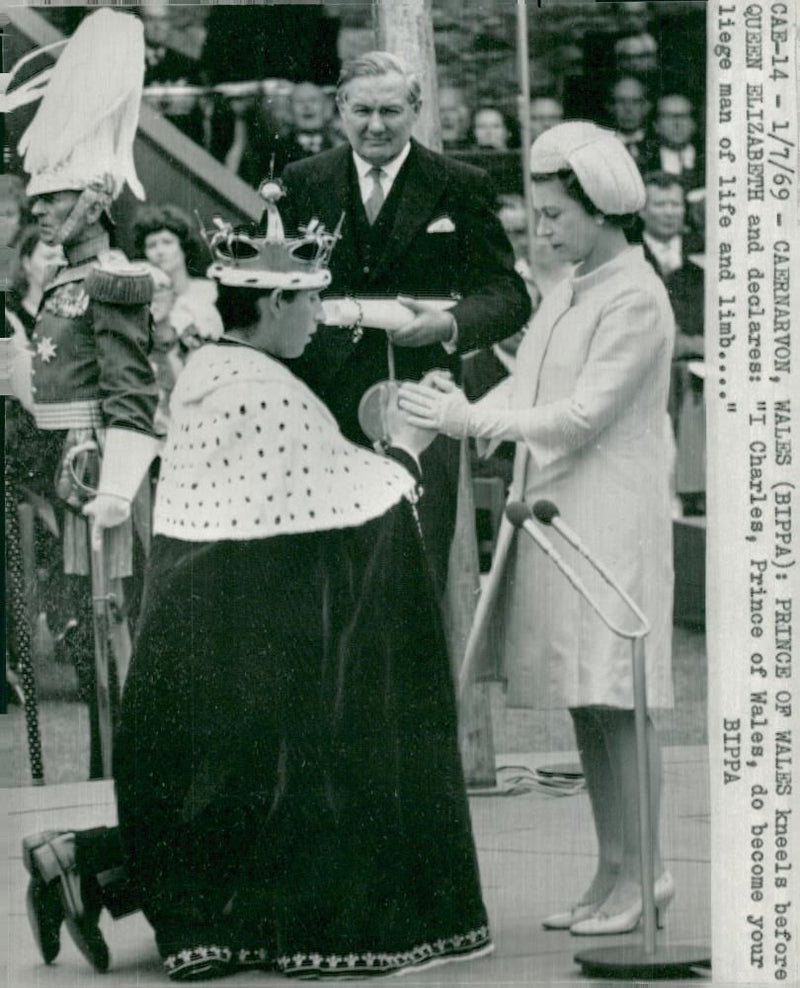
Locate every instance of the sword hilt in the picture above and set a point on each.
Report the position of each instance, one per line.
(70, 462)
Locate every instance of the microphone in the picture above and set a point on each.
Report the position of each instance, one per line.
(548, 514)
(520, 516)
(517, 513)
(545, 511)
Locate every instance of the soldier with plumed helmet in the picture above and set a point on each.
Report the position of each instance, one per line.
(90, 375)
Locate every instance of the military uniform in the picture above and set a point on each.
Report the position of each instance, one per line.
(90, 372)
(90, 342)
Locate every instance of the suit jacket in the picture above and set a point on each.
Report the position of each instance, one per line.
(474, 262)
(691, 178)
(691, 243)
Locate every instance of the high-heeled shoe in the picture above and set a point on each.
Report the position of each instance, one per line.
(601, 924)
(565, 919)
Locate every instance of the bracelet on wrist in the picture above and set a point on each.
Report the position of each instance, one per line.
(356, 327)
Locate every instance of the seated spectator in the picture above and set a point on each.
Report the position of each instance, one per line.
(636, 54)
(491, 129)
(172, 83)
(260, 141)
(162, 62)
(629, 108)
(311, 114)
(545, 112)
(673, 150)
(539, 265)
(164, 237)
(454, 117)
(666, 241)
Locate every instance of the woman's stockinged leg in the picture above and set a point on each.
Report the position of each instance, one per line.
(619, 730)
(604, 799)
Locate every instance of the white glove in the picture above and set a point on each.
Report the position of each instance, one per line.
(106, 511)
(127, 456)
(443, 406)
(401, 432)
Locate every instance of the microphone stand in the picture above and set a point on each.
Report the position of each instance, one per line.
(647, 960)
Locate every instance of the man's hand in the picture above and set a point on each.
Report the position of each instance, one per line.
(106, 511)
(429, 325)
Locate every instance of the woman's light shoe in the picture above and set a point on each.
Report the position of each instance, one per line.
(564, 920)
(601, 924)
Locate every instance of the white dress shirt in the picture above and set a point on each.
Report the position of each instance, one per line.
(388, 173)
(668, 253)
(677, 161)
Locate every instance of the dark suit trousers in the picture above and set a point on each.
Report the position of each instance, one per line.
(99, 853)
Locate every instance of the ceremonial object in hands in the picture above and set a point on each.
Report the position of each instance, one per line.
(382, 421)
(373, 409)
(388, 314)
(380, 313)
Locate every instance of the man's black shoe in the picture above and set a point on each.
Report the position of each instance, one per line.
(45, 914)
(50, 859)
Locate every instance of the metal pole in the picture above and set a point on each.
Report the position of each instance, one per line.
(524, 103)
(643, 773)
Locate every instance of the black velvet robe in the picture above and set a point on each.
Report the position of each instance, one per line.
(288, 779)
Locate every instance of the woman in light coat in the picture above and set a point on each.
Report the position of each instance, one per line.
(586, 408)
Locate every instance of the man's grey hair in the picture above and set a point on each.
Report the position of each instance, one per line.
(376, 63)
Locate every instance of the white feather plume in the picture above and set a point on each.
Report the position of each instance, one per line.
(86, 123)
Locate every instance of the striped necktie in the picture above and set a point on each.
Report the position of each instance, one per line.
(376, 197)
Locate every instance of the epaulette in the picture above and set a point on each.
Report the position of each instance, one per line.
(116, 280)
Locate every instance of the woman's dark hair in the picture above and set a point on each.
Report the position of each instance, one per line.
(509, 122)
(152, 219)
(238, 307)
(575, 190)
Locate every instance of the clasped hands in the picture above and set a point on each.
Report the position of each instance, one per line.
(435, 403)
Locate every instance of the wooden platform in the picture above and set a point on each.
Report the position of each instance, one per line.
(535, 853)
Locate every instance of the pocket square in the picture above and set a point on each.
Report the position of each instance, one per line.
(443, 225)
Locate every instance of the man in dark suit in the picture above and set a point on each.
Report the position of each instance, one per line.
(674, 150)
(415, 224)
(629, 108)
(667, 242)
